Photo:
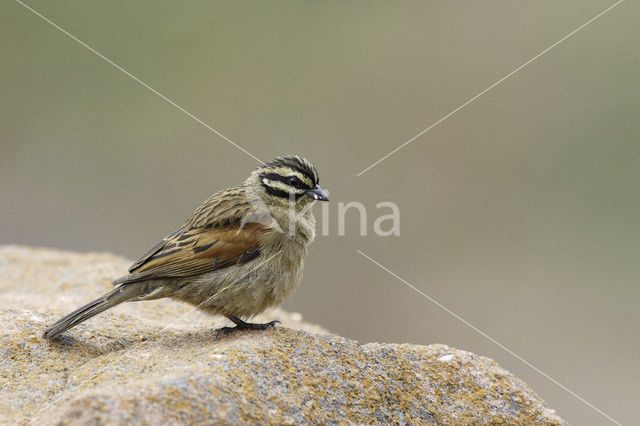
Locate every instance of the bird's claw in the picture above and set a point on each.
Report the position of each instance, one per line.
(241, 325)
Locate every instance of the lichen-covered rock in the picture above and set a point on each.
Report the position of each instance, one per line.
(143, 363)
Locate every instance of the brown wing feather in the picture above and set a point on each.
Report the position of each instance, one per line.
(153, 250)
(225, 229)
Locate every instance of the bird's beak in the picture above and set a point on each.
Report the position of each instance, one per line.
(318, 193)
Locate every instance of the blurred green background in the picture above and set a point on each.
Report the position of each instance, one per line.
(519, 213)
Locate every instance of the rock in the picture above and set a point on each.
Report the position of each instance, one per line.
(137, 363)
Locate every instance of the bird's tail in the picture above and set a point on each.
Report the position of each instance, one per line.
(109, 300)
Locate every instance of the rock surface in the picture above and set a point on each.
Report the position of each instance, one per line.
(159, 362)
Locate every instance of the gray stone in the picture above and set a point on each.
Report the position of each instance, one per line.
(159, 362)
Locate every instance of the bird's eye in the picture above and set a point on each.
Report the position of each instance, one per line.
(294, 181)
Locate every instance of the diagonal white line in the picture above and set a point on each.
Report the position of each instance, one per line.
(127, 73)
(491, 87)
(476, 329)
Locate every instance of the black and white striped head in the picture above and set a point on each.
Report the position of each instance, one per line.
(291, 178)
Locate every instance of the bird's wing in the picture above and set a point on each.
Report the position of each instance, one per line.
(224, 231)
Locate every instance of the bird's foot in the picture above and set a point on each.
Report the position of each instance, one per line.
(241, 325)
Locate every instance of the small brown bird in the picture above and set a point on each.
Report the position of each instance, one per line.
(240, 252)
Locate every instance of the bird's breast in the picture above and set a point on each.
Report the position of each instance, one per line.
(283, 259)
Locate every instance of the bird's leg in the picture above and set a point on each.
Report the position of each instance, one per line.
(241, 325)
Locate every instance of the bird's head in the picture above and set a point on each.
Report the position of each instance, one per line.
(287, 181)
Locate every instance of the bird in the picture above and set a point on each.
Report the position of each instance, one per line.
(239, 253)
